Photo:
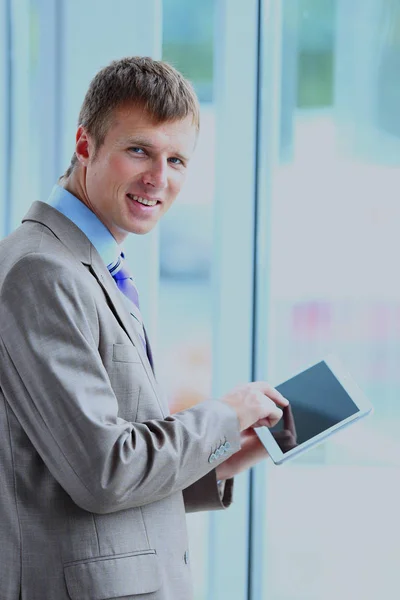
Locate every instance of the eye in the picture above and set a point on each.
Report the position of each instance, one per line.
(136, 150)
(175, 160)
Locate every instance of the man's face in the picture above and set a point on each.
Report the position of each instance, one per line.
(137, 172)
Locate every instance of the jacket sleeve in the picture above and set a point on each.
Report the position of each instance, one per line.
(206, 494)
(52, 376)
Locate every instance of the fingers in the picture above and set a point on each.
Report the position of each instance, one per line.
(256, 403)
(271, 392)
(273, 412)
(274, 417)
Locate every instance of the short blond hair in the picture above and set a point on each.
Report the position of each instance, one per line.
(155, 85)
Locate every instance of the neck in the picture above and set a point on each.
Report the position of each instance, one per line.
(75, 184)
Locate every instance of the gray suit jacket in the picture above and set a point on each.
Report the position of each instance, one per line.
(95, 473)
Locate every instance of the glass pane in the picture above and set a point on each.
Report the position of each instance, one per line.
(332, 529)
(4, 116)
(185, 248)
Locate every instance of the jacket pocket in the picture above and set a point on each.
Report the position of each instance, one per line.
(113, 576)
(125, 353)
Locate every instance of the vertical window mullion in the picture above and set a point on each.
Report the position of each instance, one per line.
(6, 102)
(235, 76)
(267, 156)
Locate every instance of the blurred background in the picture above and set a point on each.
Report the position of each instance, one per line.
(282, 248)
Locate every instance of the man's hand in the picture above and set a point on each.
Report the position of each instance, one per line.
(251, 452)
(256, 404)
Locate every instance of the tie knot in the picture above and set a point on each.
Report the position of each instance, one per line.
(122, 273)
(124, 280)
(119, 269)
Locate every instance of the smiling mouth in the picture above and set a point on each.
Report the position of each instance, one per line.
(143, 201)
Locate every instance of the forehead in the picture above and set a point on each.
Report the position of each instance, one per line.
(132, 122)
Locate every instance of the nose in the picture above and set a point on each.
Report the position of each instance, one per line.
(156, 175)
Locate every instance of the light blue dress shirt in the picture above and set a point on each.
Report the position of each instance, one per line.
(77, 212)
(101, 238)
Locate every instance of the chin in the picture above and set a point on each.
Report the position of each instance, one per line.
(141, 228)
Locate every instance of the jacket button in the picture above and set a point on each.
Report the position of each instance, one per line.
(186, 557)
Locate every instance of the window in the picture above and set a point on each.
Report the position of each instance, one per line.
(328, 222)
(185, 291)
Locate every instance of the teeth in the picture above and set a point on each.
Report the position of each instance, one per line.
(143, 200)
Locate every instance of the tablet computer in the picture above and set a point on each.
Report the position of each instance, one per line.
(322, 399)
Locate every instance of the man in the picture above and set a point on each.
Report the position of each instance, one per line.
(96, 474)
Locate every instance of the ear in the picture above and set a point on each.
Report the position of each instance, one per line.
(83, 146)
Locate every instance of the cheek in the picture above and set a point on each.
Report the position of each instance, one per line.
(122, 167)
(176, 184)
(102, 175)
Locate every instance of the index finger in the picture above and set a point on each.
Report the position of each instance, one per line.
(271, 392)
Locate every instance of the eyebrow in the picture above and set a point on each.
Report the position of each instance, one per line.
(141, 141)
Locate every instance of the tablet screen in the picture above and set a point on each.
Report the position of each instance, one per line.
(317, 401)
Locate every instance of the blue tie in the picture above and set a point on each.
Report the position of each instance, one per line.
(124, 280)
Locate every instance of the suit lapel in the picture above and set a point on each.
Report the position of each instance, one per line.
(125, 319)
(149, 352)
(79, 245)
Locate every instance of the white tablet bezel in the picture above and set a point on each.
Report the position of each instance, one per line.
(356, 395)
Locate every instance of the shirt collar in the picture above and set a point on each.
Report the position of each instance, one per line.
(77, 212)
